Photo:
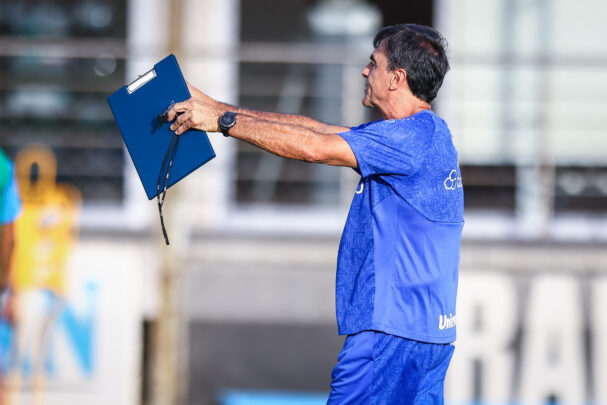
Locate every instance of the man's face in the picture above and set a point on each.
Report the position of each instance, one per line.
(378, 78)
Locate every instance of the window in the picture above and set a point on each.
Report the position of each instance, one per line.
(306, 57)
(58, 62)
(308, 89)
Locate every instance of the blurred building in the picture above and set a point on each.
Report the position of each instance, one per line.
(247, 286)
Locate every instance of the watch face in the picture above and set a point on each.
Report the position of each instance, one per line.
(227, 120)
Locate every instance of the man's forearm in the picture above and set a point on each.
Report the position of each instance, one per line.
(293, 141)
(278, 137)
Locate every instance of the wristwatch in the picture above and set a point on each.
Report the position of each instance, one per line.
(227, 121)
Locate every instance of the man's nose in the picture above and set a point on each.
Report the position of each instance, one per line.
(366, 71)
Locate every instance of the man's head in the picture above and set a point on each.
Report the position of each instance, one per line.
(415, 52)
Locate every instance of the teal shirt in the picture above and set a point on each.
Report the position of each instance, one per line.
(10, 204)
(5, 175)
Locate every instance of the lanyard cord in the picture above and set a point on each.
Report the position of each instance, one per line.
(170, 152)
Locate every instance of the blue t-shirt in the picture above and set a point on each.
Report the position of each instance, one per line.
(398, 258)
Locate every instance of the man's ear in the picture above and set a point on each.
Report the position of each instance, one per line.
(399, 77)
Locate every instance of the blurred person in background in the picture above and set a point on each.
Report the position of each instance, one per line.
(10, 208)
(398, 259)
(46, 234)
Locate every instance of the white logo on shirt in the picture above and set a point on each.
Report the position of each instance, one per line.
(453, 181)
(446, 323)
(361, 187)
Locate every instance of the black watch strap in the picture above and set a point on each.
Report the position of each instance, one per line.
(227, 121)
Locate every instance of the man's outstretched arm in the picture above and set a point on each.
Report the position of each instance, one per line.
(289, 136)
(290, 119)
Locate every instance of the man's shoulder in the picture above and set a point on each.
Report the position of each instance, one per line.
(420, 122)
(366, 125)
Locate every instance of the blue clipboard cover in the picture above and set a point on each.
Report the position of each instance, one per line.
(136, 108)
(155, 150)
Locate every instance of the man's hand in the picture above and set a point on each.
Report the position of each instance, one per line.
(196, 114)
(199, 112)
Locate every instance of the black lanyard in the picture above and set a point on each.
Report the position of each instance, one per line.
(168, 158)
(170, 152)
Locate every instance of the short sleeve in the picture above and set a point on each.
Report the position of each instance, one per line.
(391, 146)
(12, 203)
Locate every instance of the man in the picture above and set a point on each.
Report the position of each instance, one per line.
(398, 258)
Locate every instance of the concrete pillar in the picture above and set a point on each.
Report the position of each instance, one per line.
(145, 47)
(209, 44)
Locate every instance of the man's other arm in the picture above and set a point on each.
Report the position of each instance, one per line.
(289, 119)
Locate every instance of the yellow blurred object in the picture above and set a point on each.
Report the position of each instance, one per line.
(48, 227)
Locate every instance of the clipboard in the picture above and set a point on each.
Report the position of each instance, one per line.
(136, 108)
